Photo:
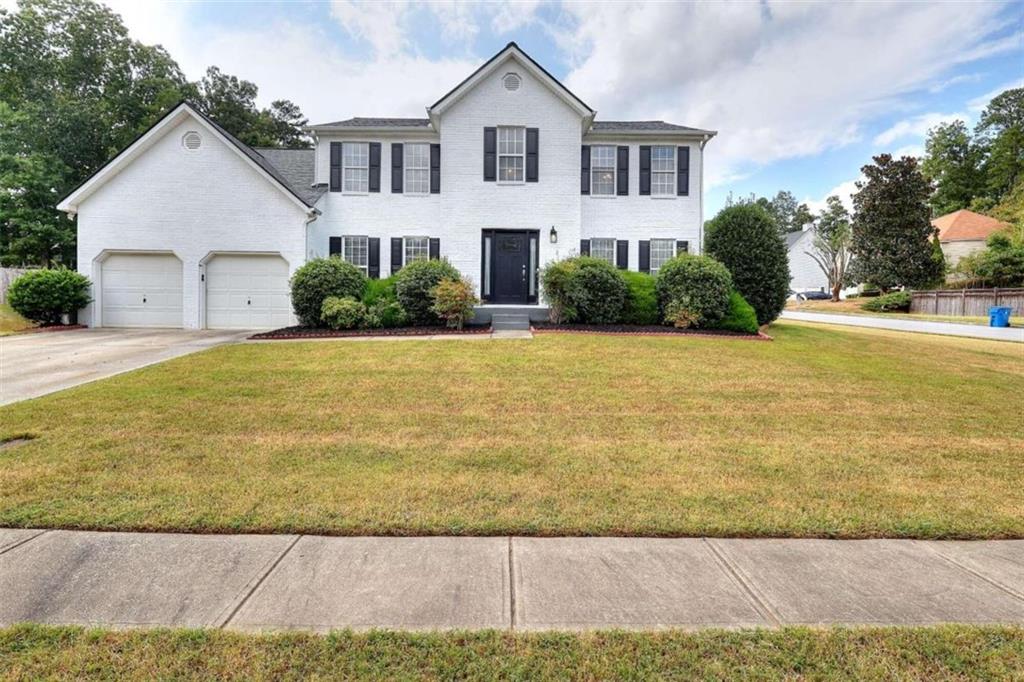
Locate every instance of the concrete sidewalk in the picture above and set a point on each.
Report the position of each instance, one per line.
(256, 583)
(975, 331)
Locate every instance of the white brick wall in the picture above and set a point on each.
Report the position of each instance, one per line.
(190, 203)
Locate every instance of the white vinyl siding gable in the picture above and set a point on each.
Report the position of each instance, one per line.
(355, 167)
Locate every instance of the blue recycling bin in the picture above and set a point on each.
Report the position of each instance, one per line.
(999, 316)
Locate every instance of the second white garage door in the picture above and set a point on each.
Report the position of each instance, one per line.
(247, 292)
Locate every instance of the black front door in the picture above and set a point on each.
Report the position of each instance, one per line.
(511, 262)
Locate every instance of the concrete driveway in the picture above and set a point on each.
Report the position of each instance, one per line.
(38, 363)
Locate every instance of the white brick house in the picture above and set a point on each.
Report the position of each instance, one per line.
(508, 171)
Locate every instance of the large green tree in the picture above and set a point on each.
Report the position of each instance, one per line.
(1001, 127)
(953, 161)
(830, 247)
(231, 102)
(892, 231)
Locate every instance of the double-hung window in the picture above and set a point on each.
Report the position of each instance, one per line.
(663, 171)
(602, 171)
(603, 249)
(355, 160)
(356, 250)
(511, 153)
(416, 248)
(417, 168)
(662, 250)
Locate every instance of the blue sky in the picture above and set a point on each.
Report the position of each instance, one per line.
(802, 94)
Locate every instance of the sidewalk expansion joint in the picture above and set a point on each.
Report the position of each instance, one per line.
(259, 582)
(30, 538)
(511, 587)
(967, 569)
(760, 605)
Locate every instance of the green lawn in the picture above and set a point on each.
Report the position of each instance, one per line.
(941, 653)
(11, 321)
(824, 432)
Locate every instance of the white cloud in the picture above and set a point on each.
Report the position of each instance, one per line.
(844, 190)
(379, 23)
(916, 127)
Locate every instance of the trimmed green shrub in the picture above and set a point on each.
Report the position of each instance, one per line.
(641, 300)
(342, 312)
(554, 282)
(413, 284)
(379, 290)
(693, 291)
(597, 292)
(320, 278)
(44, 296)
(741, 316)
(745, 239)
(385, 314)
(453, 301)
(897, 301)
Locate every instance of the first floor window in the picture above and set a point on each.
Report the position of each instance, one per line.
(602, 171)
(662, 250)
(356, 250)
(355, 162)
(511, 154)
(417, 168)
(603, 249)
(663, 171)
(416, 248)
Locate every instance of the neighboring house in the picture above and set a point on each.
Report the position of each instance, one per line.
(508, 171)
(804, 273)
(964, 232)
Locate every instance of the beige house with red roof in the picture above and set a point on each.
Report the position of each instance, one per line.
(964, 232)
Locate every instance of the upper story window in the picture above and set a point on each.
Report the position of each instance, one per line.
(355, 159)
(662, 251)
(602, 170)
(511, 153)
(417, 168)
(416, 248)
(356, 250)
(603, 249)
(663, 176)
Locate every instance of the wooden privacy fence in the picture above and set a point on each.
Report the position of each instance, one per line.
(966, 302)
(8, 275)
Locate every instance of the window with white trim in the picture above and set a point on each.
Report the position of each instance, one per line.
(417, 168)
(355, 167)
(416, 248)
(663, 170)
(356, 250)
(602, 171)
(603, 249)
(662, 250)
(511, 153)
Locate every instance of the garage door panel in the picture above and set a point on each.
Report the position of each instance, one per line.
(247, 292)
(141, 290)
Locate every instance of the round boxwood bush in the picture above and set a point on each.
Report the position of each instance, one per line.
(320, 278)
(596, 291)
(342, 312)
(693, 290)
(554, 282)
(745, 239)
(44, 296)
(413, 284)
(642, 300)
(741, 316)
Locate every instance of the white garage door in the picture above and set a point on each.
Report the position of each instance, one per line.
(247, 292)
(141, 290)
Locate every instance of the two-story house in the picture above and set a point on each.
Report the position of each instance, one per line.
(508, 171)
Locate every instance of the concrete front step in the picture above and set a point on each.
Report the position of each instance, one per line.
(510, 321)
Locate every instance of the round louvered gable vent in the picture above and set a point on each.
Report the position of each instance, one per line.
(512, 81)
(192, 140)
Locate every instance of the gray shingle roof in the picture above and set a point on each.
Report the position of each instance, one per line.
(296, 166)
(793, 238)
(377, 123)
(629, 126)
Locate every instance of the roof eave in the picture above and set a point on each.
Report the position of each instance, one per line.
(620, 133)
(428, 130)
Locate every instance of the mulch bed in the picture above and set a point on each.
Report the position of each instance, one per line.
(641, 330)
(54, 328)
(316, 333)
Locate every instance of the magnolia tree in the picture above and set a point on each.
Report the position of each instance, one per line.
(830, 248)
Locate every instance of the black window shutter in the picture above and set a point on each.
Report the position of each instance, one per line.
(335, 246)
(683, 171)
(532, 142)
(435, 169)
(435, 248)
(490, 154)
(622, 254)
(374, 258)
(396, 254)
(375, 166)
(584, 247)
(645, 256)
(622, 172)
(645, 171)
(335, 167)
(397, 153)
(682, 247)
(585, 169)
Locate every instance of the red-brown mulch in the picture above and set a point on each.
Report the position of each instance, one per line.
(54, 328)
(641, 330)
(317, 333)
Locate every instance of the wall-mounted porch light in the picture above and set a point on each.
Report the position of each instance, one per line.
(553, 235)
